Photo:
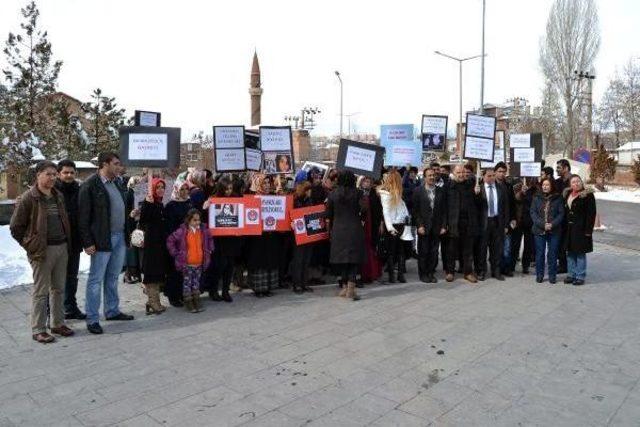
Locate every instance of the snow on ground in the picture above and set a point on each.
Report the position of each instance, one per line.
(14, 266)
(620, 194)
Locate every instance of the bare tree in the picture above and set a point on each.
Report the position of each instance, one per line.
(571, 43)
(631, 98)
(610, 113)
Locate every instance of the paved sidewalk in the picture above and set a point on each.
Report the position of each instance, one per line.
(495, 354)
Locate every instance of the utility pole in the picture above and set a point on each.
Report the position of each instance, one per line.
(586, 96)
(341, 98)
(484, 4)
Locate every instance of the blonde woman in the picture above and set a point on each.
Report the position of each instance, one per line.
(396, 223)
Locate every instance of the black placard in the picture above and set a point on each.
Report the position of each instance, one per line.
(536, 145)
(159, 154)
(222, 149)
(360, 158)
(147, 118)
(277, 158)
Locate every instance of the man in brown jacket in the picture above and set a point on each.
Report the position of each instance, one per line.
(40, 225)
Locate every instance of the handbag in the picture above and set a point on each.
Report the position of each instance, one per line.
(137, 238)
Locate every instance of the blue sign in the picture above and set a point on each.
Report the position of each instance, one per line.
(400, 147)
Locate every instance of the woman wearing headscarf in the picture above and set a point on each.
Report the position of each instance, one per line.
(397, 223)
(263, 252)
(197, 182)
(301, 253)
(175, 213)
(344, 213)
(372, 268)
(319, 263)
(580, 205)
(156, 257)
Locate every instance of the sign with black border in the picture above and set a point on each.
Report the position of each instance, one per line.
(360, 158)
(276, 143)
(525, 154)
(479, 140)
(152, 147)
(147, 118)
(229, 148)
(434, 132)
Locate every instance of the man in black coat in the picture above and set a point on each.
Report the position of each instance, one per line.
(493, 202)
(429, 216)
(102, 223)
(501, 178)
(462, 223)
(563, 169)
(66, 183)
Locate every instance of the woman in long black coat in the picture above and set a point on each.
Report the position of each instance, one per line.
(175, 213)
(156, 255)
(344, 216)
(580, 205)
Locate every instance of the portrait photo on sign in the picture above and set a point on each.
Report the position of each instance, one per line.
(432, 141)
(227, 215)
(275, 162)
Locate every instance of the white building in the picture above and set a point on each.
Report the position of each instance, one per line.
(628, 152)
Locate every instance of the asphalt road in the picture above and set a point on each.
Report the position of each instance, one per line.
(623, 224)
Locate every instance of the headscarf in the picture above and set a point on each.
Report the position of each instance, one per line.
(133, 181)
(154, 186)
(175, 192)
(197, 178)
(256, 182)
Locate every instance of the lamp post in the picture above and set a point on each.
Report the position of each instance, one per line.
(341, 93)
(460, 61)
(484, 4)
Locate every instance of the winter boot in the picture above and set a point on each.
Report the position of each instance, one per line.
(187, 301)
(196, 302)
(351, 291)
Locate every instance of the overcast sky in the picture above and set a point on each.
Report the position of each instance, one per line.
(191, 59)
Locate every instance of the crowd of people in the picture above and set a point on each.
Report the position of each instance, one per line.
(477, 226)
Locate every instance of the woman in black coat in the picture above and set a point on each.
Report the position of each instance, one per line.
(580, 205)
(156, 256)
(344, 213)
(175, 213)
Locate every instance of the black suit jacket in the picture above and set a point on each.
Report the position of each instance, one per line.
(423, 216)
(503, 206)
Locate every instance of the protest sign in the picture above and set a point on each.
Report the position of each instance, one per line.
(520, 140)
(404, 153)
(309, 224)
(253, 159)
(360, 158)
(228, 145)
(523, 158)
(307, 166)
(530, 169)
(276, 144)
(434, 132)
(146, 118)
(235, 216)
(274, 211)
(498, 153)
(155, 147)
(479, 142)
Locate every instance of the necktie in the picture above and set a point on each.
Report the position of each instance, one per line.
(492, 212)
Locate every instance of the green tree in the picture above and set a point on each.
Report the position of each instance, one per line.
(603, 166)
(104, 118)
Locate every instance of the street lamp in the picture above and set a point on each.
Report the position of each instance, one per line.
(341, 93)
(460, 61)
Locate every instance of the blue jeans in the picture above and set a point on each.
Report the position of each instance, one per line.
(576, 265)
(506, 261)
(547, 244)
(105, 267)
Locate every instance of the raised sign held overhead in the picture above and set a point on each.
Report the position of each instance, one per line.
(147, 118)
(526, 155)
(228, 143)
(434, 132)
(276, 144)
(479, 141)
(153, 147)
(360, 158)
(498, 153)
(400, 148)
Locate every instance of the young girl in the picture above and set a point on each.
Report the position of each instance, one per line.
(191, 246)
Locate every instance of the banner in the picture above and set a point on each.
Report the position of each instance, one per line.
(309, 224)
(434, 132)
(235, 216)
(153, 147)
(360, 158)
(479, 140)
(275, 212)
(276, 145)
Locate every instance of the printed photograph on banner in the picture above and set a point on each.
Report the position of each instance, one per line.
(360, 158)
(433, 141)
(230, 160)
(228, 137)
(228, 215)
(275, 138)
(307, 166)
(434, 133)
(148, 146)
(278, 162)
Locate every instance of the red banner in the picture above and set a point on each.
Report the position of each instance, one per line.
(275, 212)
(309, 224)
(235, 216)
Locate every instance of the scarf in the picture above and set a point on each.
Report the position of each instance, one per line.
(154, 186)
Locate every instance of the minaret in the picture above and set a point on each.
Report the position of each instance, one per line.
(255, 91)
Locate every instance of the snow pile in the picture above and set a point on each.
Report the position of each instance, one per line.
(14, 266)
(618, 194)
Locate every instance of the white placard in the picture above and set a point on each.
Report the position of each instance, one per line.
(479, 148)
(230, 160)
(481, 126)
(278, 139)
(274, 207)
(434, 125)
(148, 119)
(530, 169)
(500, 139)
(524, 155)
(498, 156)
(148, 146)
(254, 159)
(228, 136)
(404, 153)
(360, 158)
(520, 140)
